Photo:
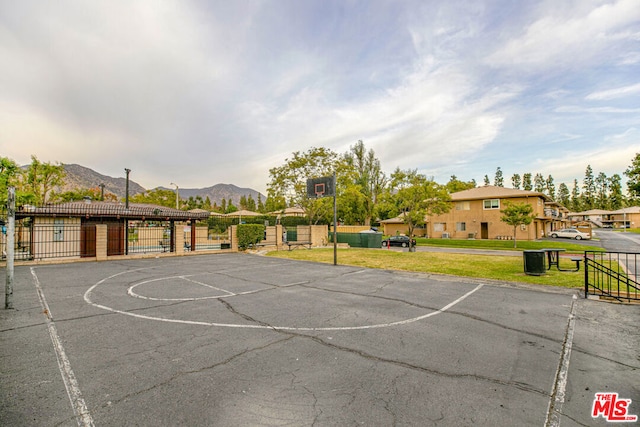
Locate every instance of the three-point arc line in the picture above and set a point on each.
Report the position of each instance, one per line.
(87, 298)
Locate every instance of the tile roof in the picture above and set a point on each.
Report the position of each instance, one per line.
(93, 209)
(493, 192)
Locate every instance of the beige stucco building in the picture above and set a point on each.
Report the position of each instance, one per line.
(475, 213)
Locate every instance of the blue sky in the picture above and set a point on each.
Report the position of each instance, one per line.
(206, 92)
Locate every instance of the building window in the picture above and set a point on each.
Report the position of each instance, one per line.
(461, 226)
(492, 204)
(439, 226)
(58, 230)
(463, 206)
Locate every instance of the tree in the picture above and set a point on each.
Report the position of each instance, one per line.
(576, 199)
(515, 215)
(516, 181)
(498, 180)
(633, 183)
(157, 196)
(616, 197)
(11, 176)
(416, 197)
(251, 203)
(362, 170)
(551, 188)
(486, 180)
(526, 182)
(454, 185)
(564, 197)
(602, 191)
(539, 183)
(289, 181)
(589, 187)
(43, 177)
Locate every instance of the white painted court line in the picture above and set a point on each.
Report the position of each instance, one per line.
(554, 410)
(83, 417)
(87, 298)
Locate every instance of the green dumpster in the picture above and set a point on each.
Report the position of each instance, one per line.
(534, 264)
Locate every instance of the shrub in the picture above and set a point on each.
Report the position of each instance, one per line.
(249, 234)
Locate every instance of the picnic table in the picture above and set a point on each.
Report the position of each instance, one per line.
(553, 258)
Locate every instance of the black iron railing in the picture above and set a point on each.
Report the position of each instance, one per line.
(612, 275)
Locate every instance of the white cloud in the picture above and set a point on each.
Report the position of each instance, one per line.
(569, 36)
(614, 93)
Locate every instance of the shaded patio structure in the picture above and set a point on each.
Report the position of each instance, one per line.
(75, 229)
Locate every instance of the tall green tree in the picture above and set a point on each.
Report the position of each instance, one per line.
(602, 191)
(539, 183)
(589, 187)
(42, 178)
(616, 196)
(416, 197)
(498, 180)
(633, 181)
(486, 180)
(516, 181)
(564, 196)
(11, 176)
(551, 187)
(576, 197)
(516, 215)
(363, 171)
(526, 182)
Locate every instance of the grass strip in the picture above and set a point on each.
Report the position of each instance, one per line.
(505, 268)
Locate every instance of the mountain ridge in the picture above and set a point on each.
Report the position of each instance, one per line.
(79, 177)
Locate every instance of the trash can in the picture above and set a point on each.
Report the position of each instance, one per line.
(534, 263)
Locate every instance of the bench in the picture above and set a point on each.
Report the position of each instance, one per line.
(294, 245)
(577, 260)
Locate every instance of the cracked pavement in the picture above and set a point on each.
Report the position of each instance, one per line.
(238, 339)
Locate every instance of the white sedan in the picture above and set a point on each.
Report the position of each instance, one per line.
(570, 233)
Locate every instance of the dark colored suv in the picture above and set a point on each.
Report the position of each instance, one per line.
(398, 241)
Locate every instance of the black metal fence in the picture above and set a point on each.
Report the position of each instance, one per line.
(612, 275)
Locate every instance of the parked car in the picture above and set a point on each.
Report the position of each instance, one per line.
(398, 241)
(570, 233)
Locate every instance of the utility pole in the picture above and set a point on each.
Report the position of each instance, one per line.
(126, 197)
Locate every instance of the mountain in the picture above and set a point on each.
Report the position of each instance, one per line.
(82, 177)
(221, 191)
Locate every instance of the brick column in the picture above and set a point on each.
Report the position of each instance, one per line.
(101, 242)
(180, 238)
(233, 236)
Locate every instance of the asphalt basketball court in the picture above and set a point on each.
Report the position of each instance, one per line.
(238, 339)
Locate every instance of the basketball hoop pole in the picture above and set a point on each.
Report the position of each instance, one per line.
(335, 222)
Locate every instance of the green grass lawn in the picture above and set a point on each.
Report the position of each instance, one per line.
(507, 244)
(505, 268)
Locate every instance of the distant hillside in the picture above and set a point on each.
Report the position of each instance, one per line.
(221, 191)
(81, 177)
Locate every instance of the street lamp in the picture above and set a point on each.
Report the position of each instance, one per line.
(177, 195)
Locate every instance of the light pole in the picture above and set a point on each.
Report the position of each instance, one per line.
(126, 199)
(177, 195)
